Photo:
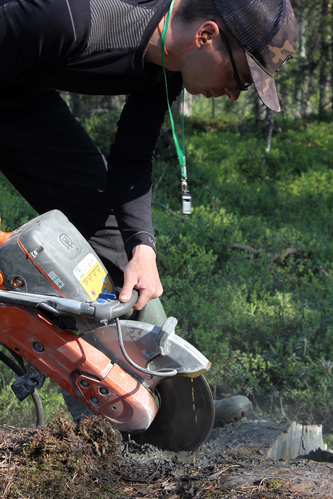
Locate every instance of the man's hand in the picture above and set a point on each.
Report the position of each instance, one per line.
(141, 273)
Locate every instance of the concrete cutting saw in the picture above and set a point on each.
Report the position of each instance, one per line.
(60, 318)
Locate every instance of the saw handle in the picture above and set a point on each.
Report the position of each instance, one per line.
(115, 308)
(107, 310)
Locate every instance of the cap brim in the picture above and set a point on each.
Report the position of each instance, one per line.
(264, 85)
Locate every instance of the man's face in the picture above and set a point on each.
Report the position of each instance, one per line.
(209, 71)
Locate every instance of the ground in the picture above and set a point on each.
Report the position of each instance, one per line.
(90, 459)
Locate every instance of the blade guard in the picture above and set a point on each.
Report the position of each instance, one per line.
(150, 347)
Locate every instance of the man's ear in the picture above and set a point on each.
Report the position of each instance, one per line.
(206, 32)
(205, 37)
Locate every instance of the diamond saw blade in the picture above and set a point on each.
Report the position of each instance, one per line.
(185, 418)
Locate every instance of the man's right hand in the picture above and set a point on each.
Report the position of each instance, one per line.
(141, 273)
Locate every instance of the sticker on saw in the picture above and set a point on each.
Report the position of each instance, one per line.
(56, 279)
(91, 275)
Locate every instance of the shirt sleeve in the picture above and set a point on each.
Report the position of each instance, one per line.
(130, 160)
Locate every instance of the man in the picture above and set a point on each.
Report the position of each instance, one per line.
(114, 47)
(216, 47)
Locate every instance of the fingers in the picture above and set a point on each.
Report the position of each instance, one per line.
(141, 273)
(145, 296)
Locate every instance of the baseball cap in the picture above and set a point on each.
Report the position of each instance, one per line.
(267, 32)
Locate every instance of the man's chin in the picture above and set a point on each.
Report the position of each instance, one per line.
(191, 90)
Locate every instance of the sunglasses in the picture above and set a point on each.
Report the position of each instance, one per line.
(240, 87)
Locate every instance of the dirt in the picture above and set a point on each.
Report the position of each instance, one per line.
(89, 459)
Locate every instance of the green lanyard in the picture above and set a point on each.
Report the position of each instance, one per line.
(186, 198)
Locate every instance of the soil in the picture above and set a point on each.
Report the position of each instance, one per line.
(90, 459)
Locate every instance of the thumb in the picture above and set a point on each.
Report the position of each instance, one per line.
(126, 291)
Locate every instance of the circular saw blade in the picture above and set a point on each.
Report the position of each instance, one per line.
(185, 418)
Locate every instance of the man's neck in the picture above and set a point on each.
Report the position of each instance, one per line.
(154, 52)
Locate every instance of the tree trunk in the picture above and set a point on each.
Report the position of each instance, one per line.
(325, 58)
(187, 102)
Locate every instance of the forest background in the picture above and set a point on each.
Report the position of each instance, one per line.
(249, 275)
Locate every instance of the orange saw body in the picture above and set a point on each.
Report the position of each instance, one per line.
(59, 315)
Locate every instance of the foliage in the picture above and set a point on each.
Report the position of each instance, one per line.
(102, 130)
(14, 210)
(249, 274)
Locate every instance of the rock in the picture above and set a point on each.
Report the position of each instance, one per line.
(287, 440)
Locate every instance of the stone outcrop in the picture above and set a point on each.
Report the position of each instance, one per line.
(287, 440)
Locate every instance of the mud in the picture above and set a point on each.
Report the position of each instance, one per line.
(67, 460)
(232, 466)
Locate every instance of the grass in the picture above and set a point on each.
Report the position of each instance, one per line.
(249, 274)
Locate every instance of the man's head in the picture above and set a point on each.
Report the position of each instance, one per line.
(266, 31)
(222, 46)
(219, 66)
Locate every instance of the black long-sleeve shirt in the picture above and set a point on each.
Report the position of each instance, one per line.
(94, 47)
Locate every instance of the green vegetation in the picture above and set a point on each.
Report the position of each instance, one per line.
(14, 210)
(249, 274)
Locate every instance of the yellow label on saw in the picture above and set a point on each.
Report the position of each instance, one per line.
(92, 276)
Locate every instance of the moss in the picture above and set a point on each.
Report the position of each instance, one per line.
(68, 459)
